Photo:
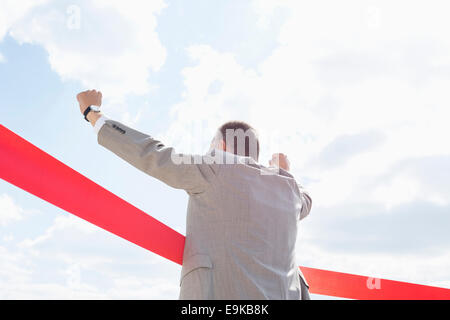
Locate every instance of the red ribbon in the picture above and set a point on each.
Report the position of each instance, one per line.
(345, 285)
(35, 171)
(31, 169)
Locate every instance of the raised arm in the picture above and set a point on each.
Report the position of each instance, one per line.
(281, 160)
(146, 153)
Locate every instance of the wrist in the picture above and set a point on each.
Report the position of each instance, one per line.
(93, 117)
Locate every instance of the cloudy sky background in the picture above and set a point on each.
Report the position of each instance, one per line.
(355, 92)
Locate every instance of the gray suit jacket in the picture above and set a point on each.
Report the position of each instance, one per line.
(242, 217)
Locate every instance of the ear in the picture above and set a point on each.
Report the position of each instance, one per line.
(222, 145)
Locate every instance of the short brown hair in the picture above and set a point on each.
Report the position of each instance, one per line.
(251, 137)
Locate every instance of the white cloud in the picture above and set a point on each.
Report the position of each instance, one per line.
(110, 45)
(130, 120)
(82, 261)
(13, 269)
(9, 210)
(265, 10)
(335, 73)
(64, 225)
(12, 11)
(145, 289)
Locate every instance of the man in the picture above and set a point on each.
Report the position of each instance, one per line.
(241, 225)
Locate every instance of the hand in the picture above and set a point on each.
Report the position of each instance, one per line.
(89, 98)
(280, 160)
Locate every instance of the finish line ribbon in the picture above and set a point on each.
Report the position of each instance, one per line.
(31, 169)
(351, 286)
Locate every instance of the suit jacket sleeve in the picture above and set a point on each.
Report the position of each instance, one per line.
(154, 158)
(306, 202)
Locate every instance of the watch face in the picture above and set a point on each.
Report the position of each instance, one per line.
(95, 108)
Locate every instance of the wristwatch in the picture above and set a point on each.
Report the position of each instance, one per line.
(89, 109)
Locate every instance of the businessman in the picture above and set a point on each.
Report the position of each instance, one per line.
(242, 217)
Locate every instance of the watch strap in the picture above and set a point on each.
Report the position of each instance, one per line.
(85, 113)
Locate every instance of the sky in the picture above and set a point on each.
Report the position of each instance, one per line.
(354, 92)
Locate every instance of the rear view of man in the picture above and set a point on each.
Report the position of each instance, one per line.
(242, 217)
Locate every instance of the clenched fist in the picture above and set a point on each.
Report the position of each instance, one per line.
(89, 98)
(280, 160)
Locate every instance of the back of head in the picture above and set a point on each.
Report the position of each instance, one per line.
(240, 138)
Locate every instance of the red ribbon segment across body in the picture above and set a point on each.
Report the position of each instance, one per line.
(31, 169)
